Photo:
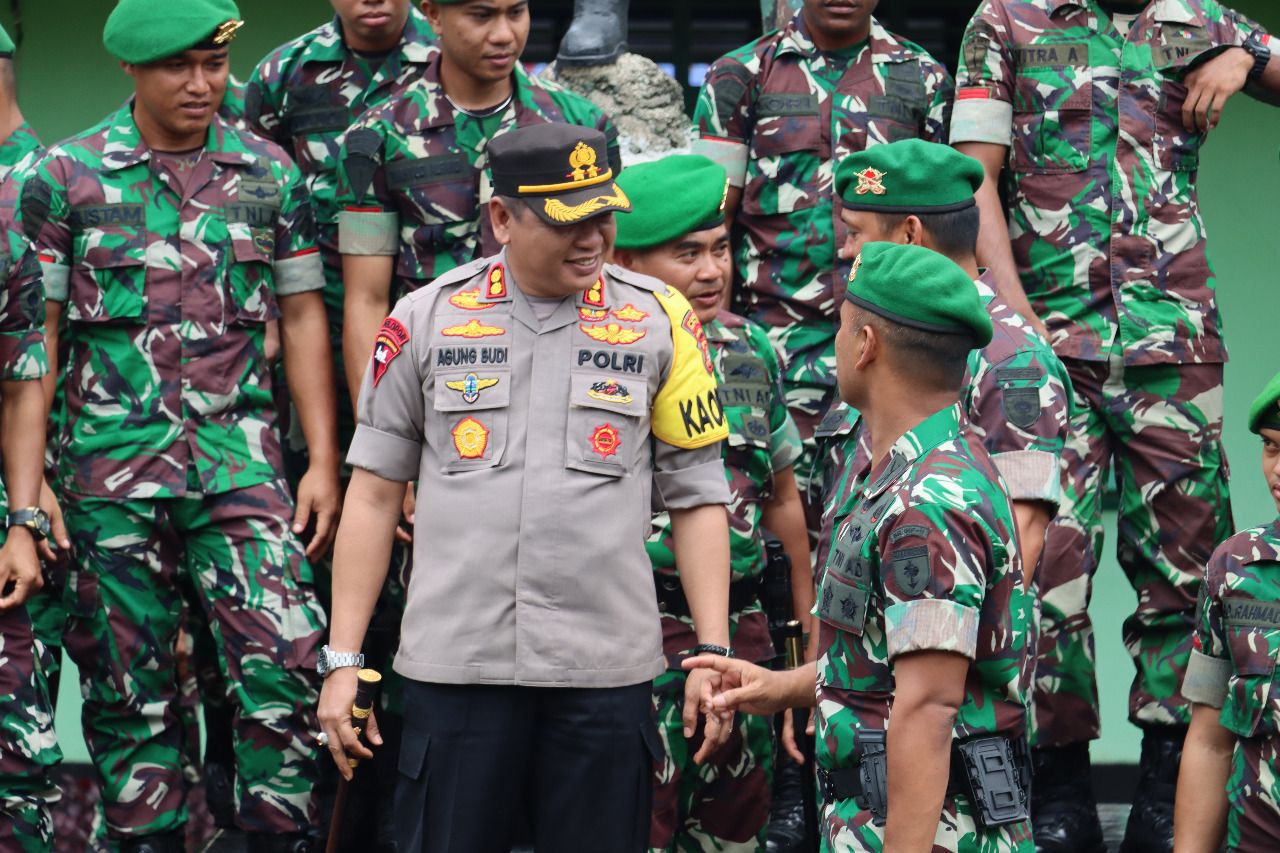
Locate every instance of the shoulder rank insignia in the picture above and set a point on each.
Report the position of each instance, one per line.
(469, 300)
(605, 440)
(593, 315)
(496, 285)
(609, 391)
(630, 314)
(470, 438)
(612, 334)
(472, 329)
(594, 295)
(392, 337)
(870, 181)
(470, 386)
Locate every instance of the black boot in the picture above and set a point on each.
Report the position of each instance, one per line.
(786, 832)
(1150, 827)
(598, 34)
(1064, 812)
(168, 842)
(268, 842)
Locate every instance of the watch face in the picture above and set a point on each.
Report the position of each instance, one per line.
(322, 660)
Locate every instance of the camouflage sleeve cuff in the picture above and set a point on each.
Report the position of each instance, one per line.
(299, 274)
(1206, 679)
(391, 457)
(695, 485)
(368, 232)
(1030, 475)
(786, 444)
(22, 355)
(931, 624)
(982, 120)
(56, 278)
(728, 153)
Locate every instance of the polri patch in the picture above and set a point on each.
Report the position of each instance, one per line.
(605, 440)
(390, 343)
(911, 569)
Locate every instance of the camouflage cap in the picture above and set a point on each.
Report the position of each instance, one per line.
(6, 44)
(143, 31)
(670, 198)
(917, 287)
(554, 167)
(1265, 411)
(909, 176)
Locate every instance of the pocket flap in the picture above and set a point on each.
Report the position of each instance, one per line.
(413, 753)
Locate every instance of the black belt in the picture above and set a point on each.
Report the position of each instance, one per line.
(671, 600)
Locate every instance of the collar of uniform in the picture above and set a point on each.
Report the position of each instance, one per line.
(885, 47)
(439, 111)
(125, 147)
(1177, 12)
(717, 331)
(986, 284)
(1056, 6)
(19, 144)
(941, 426)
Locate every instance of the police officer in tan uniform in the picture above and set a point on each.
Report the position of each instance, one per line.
(544, 401)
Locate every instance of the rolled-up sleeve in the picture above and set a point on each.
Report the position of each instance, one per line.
(683, 479)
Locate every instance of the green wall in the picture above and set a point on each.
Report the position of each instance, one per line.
(67, 82)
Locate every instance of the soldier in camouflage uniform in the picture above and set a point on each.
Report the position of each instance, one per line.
(1016, 392)
(28, 747)
(922, 599)
(1233, 744)
(1094, 121)
(172, 239)
(778, 114)
(676, 232)
(414, 179)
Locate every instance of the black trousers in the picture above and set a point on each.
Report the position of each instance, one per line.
(476, 759)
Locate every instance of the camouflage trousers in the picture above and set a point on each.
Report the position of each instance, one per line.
(28, 747)
(125, 611)
(1253, 795)
(722, 805)
(849, 829)
(1160, 428)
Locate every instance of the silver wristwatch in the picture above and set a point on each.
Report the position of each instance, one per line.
(328, 660)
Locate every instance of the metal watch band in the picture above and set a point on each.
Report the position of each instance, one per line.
(328, 660)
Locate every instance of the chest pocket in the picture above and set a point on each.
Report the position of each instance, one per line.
(472, 414)
(899, 113)
(107, 282)
(785, 150)
(250, 274)
(437, 196)
(845, 588)
(1052, 108)
(606, 415)
(1252, 706)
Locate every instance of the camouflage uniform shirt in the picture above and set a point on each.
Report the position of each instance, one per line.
(22, 350)
(307, 92)
(763, 440)
(414, 182)
(779, 114)
(168, 290)
(1101, 174)
(927, 560)
(1233, 667)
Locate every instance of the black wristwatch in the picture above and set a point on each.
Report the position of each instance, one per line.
(712, 649)
(1259, 46)
(33, 518)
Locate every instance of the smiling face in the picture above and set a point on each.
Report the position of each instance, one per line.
(698, 265)
(552, 260)
(177, 97)
(482, 39)
(1271, 463)
(371, 25)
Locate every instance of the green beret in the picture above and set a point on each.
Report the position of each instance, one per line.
(670, 198)
(6, 44)
(917, 287)
(142, 31)
(1265, 411)
(910, 176)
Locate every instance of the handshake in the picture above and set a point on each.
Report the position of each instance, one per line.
(737, 685)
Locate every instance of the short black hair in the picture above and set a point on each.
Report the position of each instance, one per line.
(937, 359)
(953, 233)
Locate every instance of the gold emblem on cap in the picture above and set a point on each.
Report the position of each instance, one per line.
(853, 271)
(870, 181)
(226, 32)
(582, 159)
(561, 212)
(724, 197)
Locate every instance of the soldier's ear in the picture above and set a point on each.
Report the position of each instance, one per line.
(869, 345)
(500, 217)
(911, 231)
